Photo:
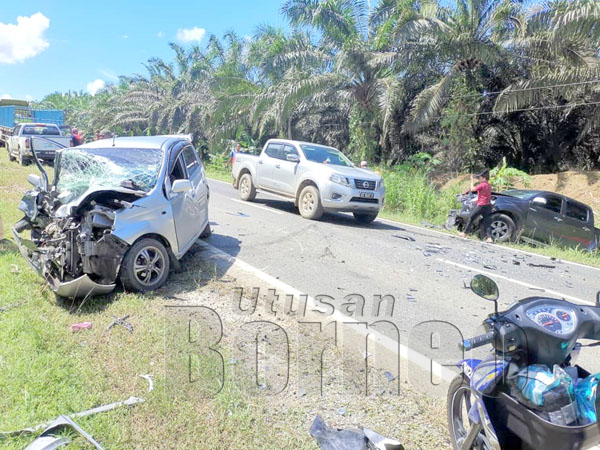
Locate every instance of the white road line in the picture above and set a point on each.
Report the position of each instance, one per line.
(501, 247)
(391, 345)
(512, 280)
(220, 181)
(256, 206)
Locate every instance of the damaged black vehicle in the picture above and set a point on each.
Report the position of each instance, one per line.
(120, 209)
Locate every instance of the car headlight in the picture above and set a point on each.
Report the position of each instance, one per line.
(340, 179)
(380, 184)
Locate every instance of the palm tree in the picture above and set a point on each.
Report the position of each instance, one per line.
(465, 40)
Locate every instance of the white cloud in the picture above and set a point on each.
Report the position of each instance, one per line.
(190, 34)
(29, 97)
(5, 97)
(94, 86)
(160, 34)
(23, 40)
(125, 36)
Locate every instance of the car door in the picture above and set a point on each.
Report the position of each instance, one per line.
(578, 225)
(266, 165)
(544, 218)
(284, 174)
(183, 204)
(199, 188)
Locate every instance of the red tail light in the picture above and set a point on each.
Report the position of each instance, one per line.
(27, 143)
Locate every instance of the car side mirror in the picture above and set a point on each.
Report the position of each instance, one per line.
(181, 186)
(34, 180)
(293, 158)
(539, 201)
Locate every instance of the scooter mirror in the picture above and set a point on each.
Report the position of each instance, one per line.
(485, 287)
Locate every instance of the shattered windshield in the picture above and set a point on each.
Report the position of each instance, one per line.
(325, 155)
(83, 168)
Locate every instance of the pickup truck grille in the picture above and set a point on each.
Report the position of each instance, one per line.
(364, 184)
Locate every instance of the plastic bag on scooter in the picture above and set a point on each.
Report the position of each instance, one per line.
(586, 390)
(487, 374)
(549, 393)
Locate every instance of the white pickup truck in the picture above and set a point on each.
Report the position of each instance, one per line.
(42, 138)
(315, 177)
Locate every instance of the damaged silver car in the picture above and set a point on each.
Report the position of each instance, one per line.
(123, 209)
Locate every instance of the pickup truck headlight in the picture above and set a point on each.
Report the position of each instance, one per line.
(340, 179)
(380, 184)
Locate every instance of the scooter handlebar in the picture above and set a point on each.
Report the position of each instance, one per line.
(477, 341)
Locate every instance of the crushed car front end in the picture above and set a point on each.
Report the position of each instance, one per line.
(74, 243)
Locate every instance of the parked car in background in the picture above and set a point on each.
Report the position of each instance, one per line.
(126, 209)
(42, 138)
(15, 112)
(315, 177)
(543, 216)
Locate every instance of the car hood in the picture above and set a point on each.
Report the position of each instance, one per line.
(352, 172)
(93, 193)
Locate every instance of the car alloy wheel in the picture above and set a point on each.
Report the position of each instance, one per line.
(149, 265)
(308, 202)
(245, 186)
(499, 229)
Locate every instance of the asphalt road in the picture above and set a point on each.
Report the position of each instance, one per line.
(426, 272)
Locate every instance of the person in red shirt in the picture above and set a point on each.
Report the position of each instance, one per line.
(484, 204)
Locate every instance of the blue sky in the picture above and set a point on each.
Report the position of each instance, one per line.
(71, 44)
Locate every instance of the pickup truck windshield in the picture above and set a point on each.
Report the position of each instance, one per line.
(325, 155)
(83, 168)
(36, 130)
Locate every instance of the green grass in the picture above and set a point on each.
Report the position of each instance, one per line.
(218, 171)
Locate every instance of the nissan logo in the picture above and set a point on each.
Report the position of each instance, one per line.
(366, 184)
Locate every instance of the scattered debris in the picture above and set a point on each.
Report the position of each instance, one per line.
(47, 440)
(330, 438)
(537, 289)
(379, 442)
(406, 238)
(410, 298)
(389, 376)
(238, 214)
(123, 322)
(81, 326)
(543, 266)
(428, 224)
(301, 393)
(150, 382)
(9, 307)
(365, 355)
(516, 263)
(100, 409)
(14, 268)
(233, 361)
(327, 253)
(490, 267)
(466, 284)
(341, 411)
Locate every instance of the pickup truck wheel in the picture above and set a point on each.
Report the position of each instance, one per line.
(22, 160)
(10, 156)
(309, 203)
(145, 266)
(247, 189)
(365, 218)
(502, 228)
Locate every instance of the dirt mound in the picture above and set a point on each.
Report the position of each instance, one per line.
(582, 186)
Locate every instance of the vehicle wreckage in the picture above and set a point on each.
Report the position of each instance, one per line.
(123, 209)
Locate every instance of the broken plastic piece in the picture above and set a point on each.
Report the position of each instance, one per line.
(333, 439)
(406, 238)
(389, 376)
(543, 266)
(48, 441)
(81, 326)
(123, 322)
(150, 382)
(379, 442)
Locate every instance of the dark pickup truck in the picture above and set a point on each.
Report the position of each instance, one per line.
(542, 216)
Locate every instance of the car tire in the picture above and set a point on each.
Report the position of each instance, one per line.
(502, 228)
(247, 189)
(309, 203)
(365, 218)
(207, 232)
(146, 255)
(10, 156)
(22, 160)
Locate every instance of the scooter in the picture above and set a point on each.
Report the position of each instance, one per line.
(483, 413)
